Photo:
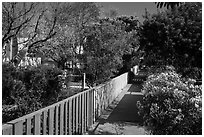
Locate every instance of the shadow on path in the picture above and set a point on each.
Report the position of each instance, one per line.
(126, 110)
(121, 117)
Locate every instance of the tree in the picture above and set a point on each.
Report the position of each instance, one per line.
(103, 41)
(26, 20)
(78, 15)
(107, 42)
(132, 27)
(67, 44)
(174, 37)
(61, 47)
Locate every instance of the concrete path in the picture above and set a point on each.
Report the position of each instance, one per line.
(121, 117)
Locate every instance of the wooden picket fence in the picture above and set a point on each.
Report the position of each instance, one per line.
(73, 115)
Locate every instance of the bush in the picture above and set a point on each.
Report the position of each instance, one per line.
(23, 101)
(158, 69)
(191, 72)
(8, 83)
(170, 105)
(29, 89)
(41, 79)
(44, 80)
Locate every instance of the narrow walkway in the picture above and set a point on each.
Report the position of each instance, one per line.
(121, 117)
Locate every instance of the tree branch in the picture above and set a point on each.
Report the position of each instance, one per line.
(37, 23)
(6, 37)
(32, 6)
(41, 41)
(11, 21)
(35, 30)
(50, 35)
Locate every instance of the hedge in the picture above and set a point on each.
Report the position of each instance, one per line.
(29, 89)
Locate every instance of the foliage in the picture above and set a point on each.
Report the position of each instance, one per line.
(60, 48)
(170, 105)
(27, 20)
(98, 44)
(72, 20)
(174, 37)
(78, 14)
(42, 79)
(8, 72)
(107, 42)
(83, 37)
(24, 102)
(167, 4)
(29, 89)
(158, 69)
(131, 23)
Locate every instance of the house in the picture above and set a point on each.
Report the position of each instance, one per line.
(10, 49)
(16, 51)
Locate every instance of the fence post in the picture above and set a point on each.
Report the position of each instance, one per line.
(83, 81)
(7, 129)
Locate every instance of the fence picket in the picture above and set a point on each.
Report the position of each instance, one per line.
(80, 114)
(93, 107)
(82, 103)
(89, 109)
(51, 120)
(70, 117)
(7, 129)
(85, 111)
(28, 126)
(56, 119)
(18, 128)
(65, 117)
(76, 114)
(44, 128)
(61, 118)
(37, 124)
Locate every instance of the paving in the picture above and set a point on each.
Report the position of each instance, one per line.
(121, 117)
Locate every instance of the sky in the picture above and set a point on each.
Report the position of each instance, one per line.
(130, 8)
(122, 8)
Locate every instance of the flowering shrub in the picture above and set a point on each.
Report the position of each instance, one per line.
(170, 105)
